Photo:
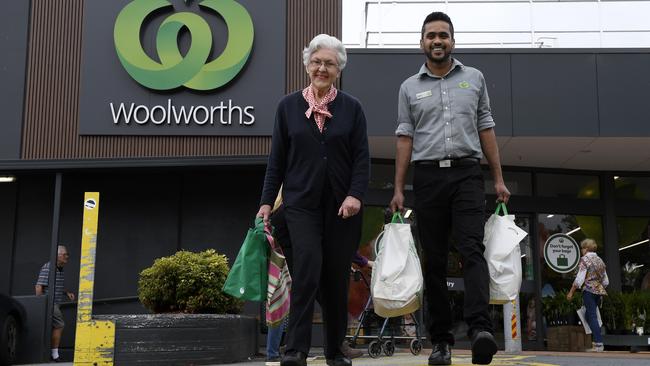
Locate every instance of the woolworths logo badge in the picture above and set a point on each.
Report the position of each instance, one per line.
(191, 70)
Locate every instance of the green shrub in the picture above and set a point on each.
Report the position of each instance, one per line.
(187, 282)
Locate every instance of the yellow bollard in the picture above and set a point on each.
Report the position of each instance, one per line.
(94, 339)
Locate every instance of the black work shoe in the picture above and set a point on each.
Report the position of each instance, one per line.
(294, 359)
(441, 354)
(483, 348)
(339, 361)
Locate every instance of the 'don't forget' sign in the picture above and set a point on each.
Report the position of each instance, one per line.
(561, 253)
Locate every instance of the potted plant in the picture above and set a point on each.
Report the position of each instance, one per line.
(191, 315)
(613, 313)
(563, 332)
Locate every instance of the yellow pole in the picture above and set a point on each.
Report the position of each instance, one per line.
(95, 339)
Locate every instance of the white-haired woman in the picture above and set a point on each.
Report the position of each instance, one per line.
(592, 279)
(319, 153)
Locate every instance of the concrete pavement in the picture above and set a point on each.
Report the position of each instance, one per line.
(463, 358)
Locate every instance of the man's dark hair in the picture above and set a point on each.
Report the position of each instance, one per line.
(438, 15)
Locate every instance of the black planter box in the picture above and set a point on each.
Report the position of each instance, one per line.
(183, 339)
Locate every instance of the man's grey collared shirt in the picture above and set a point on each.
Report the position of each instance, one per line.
(443, 115)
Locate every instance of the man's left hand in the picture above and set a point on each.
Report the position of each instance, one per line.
(503, 194)
(70, 296)
(350, 207)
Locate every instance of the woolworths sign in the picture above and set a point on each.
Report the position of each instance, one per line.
(161, 67)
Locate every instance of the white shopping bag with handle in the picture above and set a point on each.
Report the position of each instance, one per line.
(503, 255)
(397, 281)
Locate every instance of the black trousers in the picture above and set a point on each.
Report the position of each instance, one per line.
(452, 200)
(322, 247)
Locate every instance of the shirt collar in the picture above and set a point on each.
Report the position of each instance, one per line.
(425, 71)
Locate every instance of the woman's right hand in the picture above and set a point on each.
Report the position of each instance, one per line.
(264, 213)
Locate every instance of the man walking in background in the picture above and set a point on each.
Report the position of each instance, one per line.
(60, 295)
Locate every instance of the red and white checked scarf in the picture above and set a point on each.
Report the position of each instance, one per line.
(319, 110)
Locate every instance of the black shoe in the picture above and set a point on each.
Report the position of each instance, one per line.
(441, 354)
(58, 359)
(483, 348)
(339, 361)
(294, 359)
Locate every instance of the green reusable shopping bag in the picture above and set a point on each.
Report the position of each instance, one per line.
(248, 277)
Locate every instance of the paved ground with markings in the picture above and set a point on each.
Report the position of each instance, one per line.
(463, 358)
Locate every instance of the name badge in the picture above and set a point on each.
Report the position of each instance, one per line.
(423, 94)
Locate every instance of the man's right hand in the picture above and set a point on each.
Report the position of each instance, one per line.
(397, 203)
(264, 213)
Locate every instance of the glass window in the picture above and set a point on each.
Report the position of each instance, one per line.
(632, 188)
(557, 284)
(526, 248)
(518, 183)
(634, 252)
(382, 176)
(568, 186)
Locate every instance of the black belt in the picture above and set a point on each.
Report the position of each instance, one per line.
(448, 163)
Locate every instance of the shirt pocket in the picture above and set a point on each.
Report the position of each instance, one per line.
(465, 101)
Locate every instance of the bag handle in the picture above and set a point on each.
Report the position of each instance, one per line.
(259, 224)
(397, 217)
(501, 206)
(269, 235)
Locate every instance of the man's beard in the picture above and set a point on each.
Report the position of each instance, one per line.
(439, 61)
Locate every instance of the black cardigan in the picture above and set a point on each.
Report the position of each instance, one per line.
(302, 157)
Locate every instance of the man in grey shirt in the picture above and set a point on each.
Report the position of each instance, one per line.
(445, 127)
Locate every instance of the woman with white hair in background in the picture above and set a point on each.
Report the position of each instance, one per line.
(592, 279)
(319, 153)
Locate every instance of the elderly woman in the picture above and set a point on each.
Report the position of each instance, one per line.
(319, 153)
(592, 278)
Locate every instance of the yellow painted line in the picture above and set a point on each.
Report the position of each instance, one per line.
(94, 340)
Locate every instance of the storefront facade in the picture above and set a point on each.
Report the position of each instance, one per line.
(167, 186)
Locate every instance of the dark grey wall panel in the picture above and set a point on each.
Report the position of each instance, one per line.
(496, 70)
(374, 77)
(217, 213)
(138, 222)
(33, 230)
(7, 219)
(623, 90)
(14, 20)
(143, 216)
(554, 95)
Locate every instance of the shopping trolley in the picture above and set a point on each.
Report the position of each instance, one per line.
(386, 339)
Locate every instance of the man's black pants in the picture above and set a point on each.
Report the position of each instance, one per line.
(322, 247)
(453, 199)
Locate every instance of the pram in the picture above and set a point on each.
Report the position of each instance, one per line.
(386, 339)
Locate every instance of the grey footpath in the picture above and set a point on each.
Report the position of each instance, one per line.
(464, 359)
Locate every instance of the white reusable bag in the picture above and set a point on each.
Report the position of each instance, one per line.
(397, 281)
(503, 255)
(582, 314)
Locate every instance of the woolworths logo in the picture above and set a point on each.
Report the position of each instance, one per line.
(174, 69)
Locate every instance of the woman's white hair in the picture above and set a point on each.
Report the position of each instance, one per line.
(325, 41)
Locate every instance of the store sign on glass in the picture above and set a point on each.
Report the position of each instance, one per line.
(561, 253)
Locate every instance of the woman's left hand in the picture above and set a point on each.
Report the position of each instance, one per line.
(569, 296)
(350, 207)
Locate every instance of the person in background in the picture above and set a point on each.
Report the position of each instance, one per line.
(60, 295)
(445, 127)
(592, 279)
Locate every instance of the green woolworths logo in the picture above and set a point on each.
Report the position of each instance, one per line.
(174, 69)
